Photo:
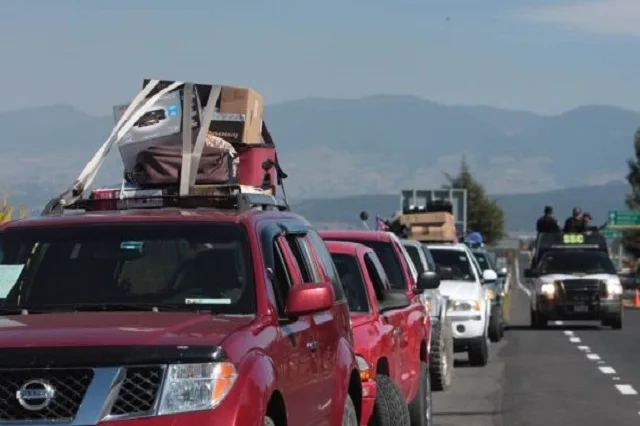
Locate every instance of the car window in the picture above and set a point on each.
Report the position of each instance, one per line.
(281, 279)
(377, 275)
(327, 262)
(431, 264)
(303, 258)
(482, 260)
(186, 265)
(576, 261)
(457, 260)
(387, 256)
(414, 254)
(352, 281)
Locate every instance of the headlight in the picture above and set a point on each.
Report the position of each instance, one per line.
(194, 387)
(548, 289)
(363, 366)
(490, 294)
(464, 306)
(614, 288)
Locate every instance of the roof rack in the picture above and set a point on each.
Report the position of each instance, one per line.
(186, 194)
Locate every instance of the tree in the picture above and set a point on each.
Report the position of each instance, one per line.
(6, 210)
(484, 215)
(631, 239)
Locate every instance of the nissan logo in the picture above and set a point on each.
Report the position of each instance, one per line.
(35, 395)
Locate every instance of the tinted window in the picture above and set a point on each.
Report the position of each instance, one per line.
(389, 261)
(431, 263)
(456, 260)
(327, 262)
(352, 281)
(414, 254)
(303, 259)
(568, 262)
(281, 279)
(183, 265)
(482, 261)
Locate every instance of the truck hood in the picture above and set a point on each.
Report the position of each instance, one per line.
(77, 329)
(460, 290)
(564, 277)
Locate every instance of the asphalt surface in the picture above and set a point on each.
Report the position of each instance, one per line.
(571, 374)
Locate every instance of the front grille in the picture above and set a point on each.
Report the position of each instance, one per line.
(138, 392)
(69, 388)
(583, 290)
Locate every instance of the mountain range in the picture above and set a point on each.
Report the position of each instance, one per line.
(373, 145)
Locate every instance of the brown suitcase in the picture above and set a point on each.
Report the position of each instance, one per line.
(161, 165)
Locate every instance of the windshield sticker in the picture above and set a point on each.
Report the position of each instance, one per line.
(8, 276)
(131, 245)
(207, 301)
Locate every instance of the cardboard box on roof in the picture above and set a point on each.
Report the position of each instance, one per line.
(240, 115)
(435, 226)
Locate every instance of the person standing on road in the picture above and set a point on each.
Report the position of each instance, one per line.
(574, 223)
(547, 223)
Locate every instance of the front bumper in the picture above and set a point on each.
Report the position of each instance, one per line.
(369, 390)
(578, 310)
(467, 326)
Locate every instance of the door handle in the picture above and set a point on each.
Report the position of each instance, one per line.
(312, 346)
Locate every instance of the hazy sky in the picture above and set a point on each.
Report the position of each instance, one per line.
(540, 55)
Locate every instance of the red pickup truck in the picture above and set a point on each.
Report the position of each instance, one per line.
(400, 280)
(174, 316)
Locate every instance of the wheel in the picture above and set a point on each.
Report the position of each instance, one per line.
(495, 324)
(616, 322)
(479, 352)
(420, 408)
(268, 422)
(350, 417)
(390, 408)
(440, 362)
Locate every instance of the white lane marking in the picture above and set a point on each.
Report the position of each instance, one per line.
(607, 370)
(568, 333)
(593, 356)
(559, 322)
(584, 348)
(616, 378)
(626, 389)
(574, 340)
(522, 286)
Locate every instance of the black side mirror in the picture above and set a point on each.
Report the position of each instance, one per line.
(364, 216)
(428, 281)
(529, 273)
(445, 273)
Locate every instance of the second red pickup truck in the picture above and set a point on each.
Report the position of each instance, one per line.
(390, 340)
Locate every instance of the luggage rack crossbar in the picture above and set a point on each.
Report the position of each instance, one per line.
(222, 201)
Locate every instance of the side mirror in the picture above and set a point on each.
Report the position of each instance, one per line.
(502, 272)
(428, 281)
(307, 299)
(364, 216)
(529, 273)
(489, 276)
(445, 273)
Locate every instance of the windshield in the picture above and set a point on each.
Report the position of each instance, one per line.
(576, 261)
(352, 281)
(456, 260)
(389, 261)
(184, 266)
(415, 258)
(483, 260)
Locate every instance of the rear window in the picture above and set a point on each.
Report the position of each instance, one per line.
(182, 266)
(352, 281)
(389, 261)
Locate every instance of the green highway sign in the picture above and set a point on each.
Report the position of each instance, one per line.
(624, 218)
(610, 234)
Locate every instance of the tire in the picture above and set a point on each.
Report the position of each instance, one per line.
(420, 409)
(616, 322)
(350, 416)
(479, 352)
(390, 408)
(495, 324)
(268, 421)
(441, 356)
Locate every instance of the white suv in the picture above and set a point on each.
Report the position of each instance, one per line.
(469, 307)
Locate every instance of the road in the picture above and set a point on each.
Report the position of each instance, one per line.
(571, 374)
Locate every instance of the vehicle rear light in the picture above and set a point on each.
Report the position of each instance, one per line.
(108, 199)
